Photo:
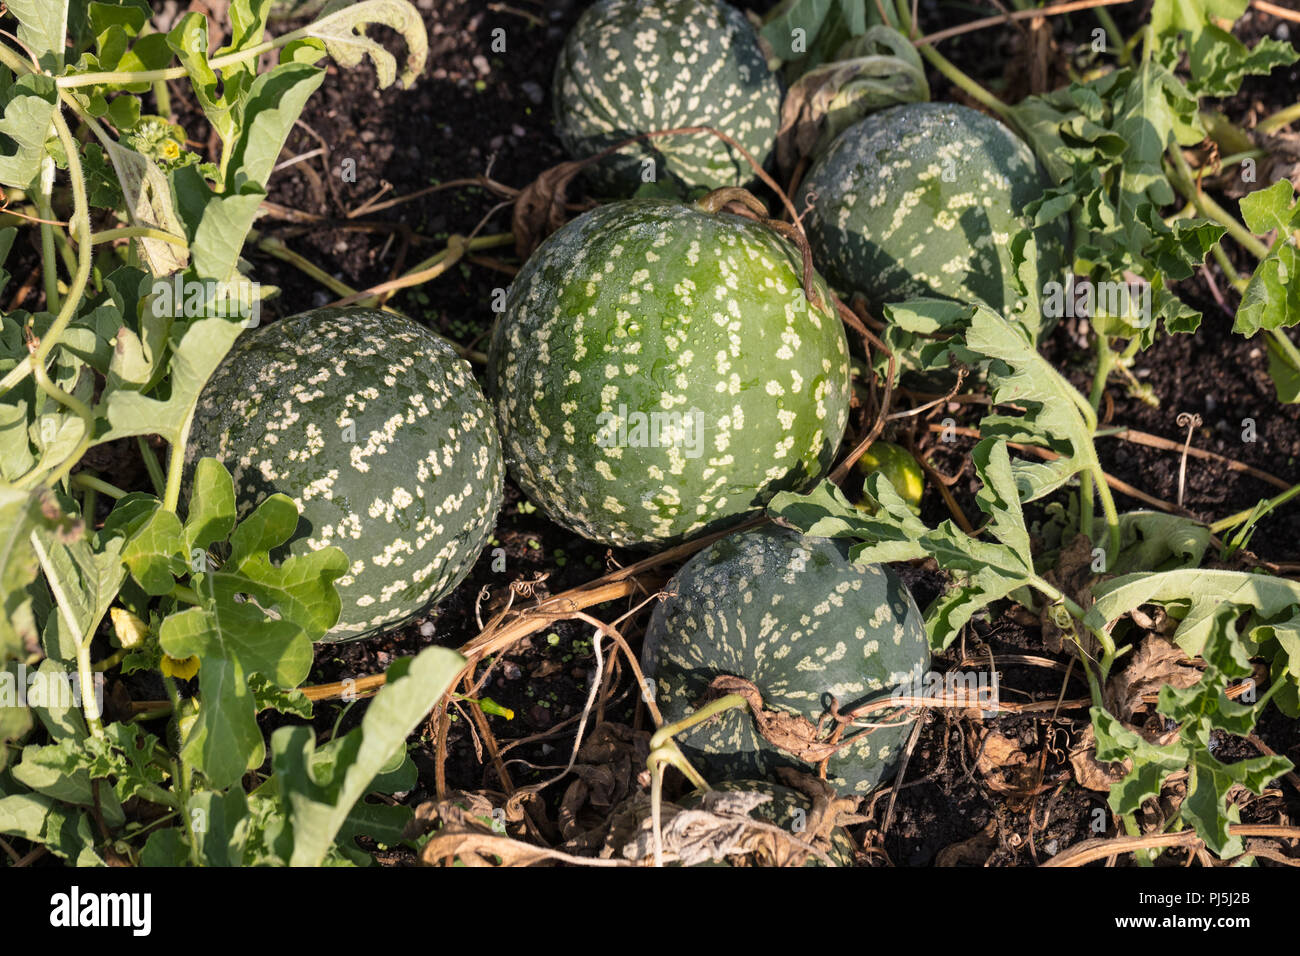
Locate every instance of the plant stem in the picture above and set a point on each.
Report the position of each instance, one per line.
(142, 232)
(181, 772)
(1116, 35)
(1285, 347)
(176, 465)
(49, 267)
(1228, 268)
(151, 465)
(90, 482)
(1182, 178)
(1107, 643)
(1223, 524)
(111, 661)
(1279, 119)
(181, 593)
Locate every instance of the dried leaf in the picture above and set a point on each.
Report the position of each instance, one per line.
(1005, 767)
(1156, 663)
(974, 851)
(723, 832)
(793, 733)
(879, 69)
(539, 209)
(1089, 772)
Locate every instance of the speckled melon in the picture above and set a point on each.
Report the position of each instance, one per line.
(786, 808)
(658, 372)
(923, 200)
(634, 66)
(377, 430)
(793, 615)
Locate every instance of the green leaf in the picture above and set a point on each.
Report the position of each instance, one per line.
(42, 25)
(1220, 61)
(188, 39)
(29, 106)
(983, 571)
(42, 820)
(1265, 210)
(20, 514)
(253, 618)
(148, 199)
(1193, 16)
(275, 101)
(197, 349)
(212, 505)
(343, 34)
(320, 809)
(1151, 764)
(1154, 541)
(84, 580)
(1203, 591)
(1285, 375)
(156, 553)
(216, 224)
(224, 827)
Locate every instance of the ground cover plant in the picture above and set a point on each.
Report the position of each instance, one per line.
(644, 433)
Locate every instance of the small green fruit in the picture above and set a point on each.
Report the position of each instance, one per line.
(902, 470)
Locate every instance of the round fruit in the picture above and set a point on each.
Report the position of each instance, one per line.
(634, 66)
(788, 809)
(378, 432)
(923, 200)
(658, 372)
(897, 464)
(794, 616)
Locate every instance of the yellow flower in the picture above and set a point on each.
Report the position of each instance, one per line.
(180, 669)
(130, 630)
(171, 149)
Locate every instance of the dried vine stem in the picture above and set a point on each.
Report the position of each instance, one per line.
(1012, 17)
(1089, 851)
(852, 320)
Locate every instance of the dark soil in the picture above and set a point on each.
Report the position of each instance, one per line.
(476, 111)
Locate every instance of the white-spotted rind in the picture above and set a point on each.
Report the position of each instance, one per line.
(793, 615)
(634, 66)
(648, 306)
(377, 430)
(923, 200)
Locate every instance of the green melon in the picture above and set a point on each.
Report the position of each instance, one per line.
(788, 809)
(793, 615)
(377, 430)
(658, 372)
(634, 66)
(923, 200)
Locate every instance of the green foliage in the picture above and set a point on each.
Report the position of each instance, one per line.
(117, 355)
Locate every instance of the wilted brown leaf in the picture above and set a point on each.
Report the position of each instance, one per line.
(1005, 767)
(1156, 663)
(724, 831)
(1089, 772)
(793, 733)
(974, 851)
(539, 209)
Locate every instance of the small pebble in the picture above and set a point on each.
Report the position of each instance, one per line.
(532, 91)
(426, 629)
(481, 64)
(511, 670)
